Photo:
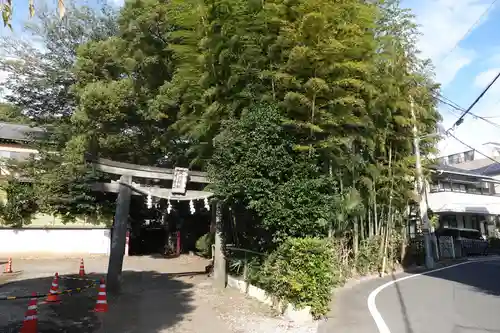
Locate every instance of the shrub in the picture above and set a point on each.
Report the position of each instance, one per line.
(342, 260)
(301, 271)
(204, 244)
(368, 259)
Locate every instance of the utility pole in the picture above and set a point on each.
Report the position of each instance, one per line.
(421, 190)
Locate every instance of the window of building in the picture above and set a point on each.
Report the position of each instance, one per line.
(485, 188)
(471, 189)
(469, 155)
(458, 188)
(448, 221)
(446, 187)
(455, 158)
(474, 222)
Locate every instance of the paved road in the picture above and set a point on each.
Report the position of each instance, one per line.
(460, 299)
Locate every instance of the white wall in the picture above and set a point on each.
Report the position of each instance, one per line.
(54, 241)
(464, 203)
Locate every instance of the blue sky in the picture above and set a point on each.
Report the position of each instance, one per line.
(464, 66)
(464, 70)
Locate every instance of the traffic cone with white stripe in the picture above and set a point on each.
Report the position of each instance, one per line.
(31, 318)
(81, 273)
(102, 302)
(8, 267)
(53, 296)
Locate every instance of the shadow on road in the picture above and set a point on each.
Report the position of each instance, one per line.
(404, 308)
(482, 275)
(149, 302)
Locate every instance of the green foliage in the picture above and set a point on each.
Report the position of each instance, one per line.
(40, 78)
(300, 271)
(369, 258)
(39, 82)
(19, 204)
(299, 110)
(204, 244)
(255, 164)
(12, 114)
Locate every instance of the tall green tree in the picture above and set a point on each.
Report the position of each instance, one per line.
(39, 86)
(126, 104)
(39, 66)
(12, 114)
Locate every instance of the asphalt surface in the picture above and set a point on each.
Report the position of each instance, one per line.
(461, 299)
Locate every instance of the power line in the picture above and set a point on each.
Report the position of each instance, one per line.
(460, 120)
(469, 30)
(456, 107)
(470, 147)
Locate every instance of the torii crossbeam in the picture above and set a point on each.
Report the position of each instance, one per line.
(125, 188)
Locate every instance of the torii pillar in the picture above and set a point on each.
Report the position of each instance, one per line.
(220, 274)
(119, 235)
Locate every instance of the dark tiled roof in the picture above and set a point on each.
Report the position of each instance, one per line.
(476, 164)
(452, 169)
(18, 132)
(490, 170)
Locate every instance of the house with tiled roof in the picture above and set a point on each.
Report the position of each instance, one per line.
(465, 190)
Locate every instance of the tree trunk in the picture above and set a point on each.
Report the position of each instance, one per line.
(375, 215)
(355, 237)
(362, 234)
(382, 221)
(389, 214)
(370, 223)
(119, 233)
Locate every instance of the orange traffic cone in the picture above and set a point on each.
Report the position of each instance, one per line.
(8, 267)
(53, 296)
(31, 317)
(102, 303)
(82, 268)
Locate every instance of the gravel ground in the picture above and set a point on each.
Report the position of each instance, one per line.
(159, 296)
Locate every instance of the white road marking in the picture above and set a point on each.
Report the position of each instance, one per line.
(372, 307)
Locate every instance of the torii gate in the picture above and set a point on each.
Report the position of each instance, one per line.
(125, 188)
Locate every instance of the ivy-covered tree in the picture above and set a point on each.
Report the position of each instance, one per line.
(18, 203)
(255, 166)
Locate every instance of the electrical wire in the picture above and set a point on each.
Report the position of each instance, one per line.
(461, 119)
(470, 147)
(469, 31)
(456, 107)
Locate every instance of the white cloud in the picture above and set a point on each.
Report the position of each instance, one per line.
(475, 131)
(118, 2)
(443, 23)
(483, 79)
(447, 70)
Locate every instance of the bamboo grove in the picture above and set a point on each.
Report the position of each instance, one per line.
(299, 110)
